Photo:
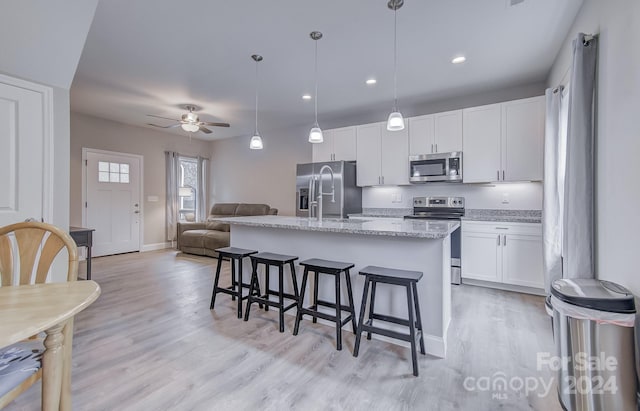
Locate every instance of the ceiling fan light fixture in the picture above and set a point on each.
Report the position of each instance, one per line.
(190, 127)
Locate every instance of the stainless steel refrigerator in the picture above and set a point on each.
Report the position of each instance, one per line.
(347, 197)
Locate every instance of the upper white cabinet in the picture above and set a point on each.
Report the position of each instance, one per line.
(448, 131)
(368, 154)
(382, 155)
(482, 135)
(523, 139)
(339, 144)
(504, 142)
(435, 133)
(394, 156)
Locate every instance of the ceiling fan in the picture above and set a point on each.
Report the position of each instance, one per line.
(189, 122)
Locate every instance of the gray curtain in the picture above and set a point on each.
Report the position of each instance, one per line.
(579, 190)
(553, 187)
(172, 164)
(201, 190)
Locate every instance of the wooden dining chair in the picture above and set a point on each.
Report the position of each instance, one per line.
(27, 251)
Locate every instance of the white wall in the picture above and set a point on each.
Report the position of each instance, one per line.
(97, 133)
(42, 40)
(506, 196)
(618, 132)
(265, 176)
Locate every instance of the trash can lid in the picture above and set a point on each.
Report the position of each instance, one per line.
(595, 294)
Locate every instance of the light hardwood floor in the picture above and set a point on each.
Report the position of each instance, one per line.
(151, 343)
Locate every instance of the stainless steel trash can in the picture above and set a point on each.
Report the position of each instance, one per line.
(593, 326)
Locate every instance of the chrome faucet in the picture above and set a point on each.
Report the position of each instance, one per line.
(320, 193)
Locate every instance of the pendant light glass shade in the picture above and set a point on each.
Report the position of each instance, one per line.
(315, 135)
(256, 140)
(395, 122)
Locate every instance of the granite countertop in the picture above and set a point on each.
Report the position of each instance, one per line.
(405, 228)
(504, 216)
(384, 212)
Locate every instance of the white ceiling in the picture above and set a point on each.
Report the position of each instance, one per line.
(153, 56)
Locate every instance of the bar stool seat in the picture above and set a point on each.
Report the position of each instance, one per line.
(272, 260)
(234, 254)
(335, 268)
(408, 279)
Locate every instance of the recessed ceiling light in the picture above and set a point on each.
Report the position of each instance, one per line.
(371, 81)
(306, 97)
(459, 59)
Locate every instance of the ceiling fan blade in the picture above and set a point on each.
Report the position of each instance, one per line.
(208, 123)
(205, 130)
(165, 118)
(171, 126)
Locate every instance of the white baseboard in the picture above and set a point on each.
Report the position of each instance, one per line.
(154, 247)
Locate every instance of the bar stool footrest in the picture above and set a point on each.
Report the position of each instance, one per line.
(391, 319)
(367, 327)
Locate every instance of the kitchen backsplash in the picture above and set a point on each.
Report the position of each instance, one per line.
(506, 196)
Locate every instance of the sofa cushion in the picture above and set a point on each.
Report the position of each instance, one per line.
(211, 224)
(224, 209)
(252, 209)
(216, 239)
(193, 238)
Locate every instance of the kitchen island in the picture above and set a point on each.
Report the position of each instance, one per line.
(404, 244)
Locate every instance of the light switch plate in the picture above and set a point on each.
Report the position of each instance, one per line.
(505, 198)
(152, 199)
(396, 198)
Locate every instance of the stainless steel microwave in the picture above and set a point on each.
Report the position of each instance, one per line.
(445, 167)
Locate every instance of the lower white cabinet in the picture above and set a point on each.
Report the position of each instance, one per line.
(506, 253)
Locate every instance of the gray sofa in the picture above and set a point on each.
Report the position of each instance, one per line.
(203, 238)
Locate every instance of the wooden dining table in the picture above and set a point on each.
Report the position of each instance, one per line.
(27, 310)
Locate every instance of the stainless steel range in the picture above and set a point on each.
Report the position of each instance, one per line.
(443, 208)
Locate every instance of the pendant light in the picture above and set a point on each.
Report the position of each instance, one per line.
(395, 122)
(315, 135)
(256, 140)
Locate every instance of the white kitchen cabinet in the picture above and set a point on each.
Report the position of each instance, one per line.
(503, 253)
(482, 139)
(422, 134)
(523, 139)
(522, 260)
(368, 155)
(448, 131)
(394, 156)
(339, 144)
(435, 133)
(382, 155)
(504, 142)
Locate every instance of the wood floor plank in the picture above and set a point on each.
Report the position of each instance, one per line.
(150, 342)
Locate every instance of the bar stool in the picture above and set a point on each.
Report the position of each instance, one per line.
(335, 268)
(272, 260)
(407, 279)
(235, 290)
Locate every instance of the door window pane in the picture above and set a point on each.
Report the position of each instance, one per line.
(103, 176)
(113, 172)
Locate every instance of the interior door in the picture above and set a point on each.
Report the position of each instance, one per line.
(21, 154)
(113, 206)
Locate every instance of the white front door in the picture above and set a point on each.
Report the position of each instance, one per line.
(23, 145)
(113, 206)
